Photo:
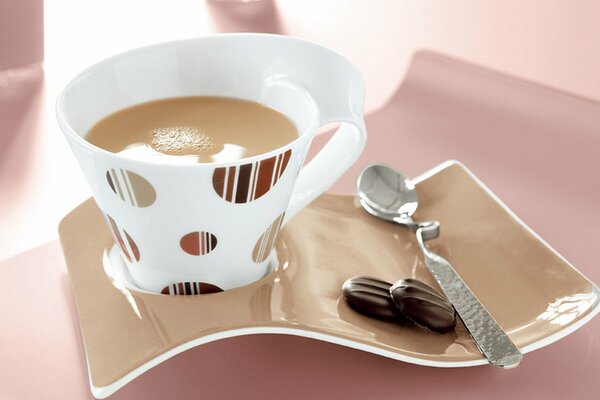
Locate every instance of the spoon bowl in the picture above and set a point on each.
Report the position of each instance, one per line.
(387, 194)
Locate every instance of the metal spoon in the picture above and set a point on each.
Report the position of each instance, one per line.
(387, 194)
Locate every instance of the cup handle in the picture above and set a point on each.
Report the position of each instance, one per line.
(338, 154)
(336, 86)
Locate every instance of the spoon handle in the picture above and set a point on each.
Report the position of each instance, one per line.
(489, 337)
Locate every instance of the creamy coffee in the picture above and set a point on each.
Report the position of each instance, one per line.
(185, 130)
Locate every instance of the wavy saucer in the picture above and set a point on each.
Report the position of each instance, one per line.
(533, 293)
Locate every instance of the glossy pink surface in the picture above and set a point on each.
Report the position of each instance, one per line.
(21, 33)
(535, 147)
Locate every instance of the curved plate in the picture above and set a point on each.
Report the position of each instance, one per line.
(533, 293)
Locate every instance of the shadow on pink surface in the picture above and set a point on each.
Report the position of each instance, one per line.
(21, 89)
(241, 16)
(21, 34)
(20, 114)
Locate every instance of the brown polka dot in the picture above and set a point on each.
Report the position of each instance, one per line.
(190, 288)
(248, 182)
(198, 243)
(110, 182)
(131, 187)
(134, 249)
(128, 247)
(266, 241)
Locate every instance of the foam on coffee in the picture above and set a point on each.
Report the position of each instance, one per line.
(181, 140)
(186, 130)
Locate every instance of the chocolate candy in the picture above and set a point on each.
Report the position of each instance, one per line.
(371, 296)
(423, 305)
(406, 300)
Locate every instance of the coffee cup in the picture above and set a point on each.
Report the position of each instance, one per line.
(211, 226)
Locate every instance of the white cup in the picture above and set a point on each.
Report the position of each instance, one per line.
(205, 227)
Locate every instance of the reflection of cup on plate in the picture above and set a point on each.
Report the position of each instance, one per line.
(186, 229)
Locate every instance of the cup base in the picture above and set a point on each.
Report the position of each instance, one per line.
(117, 271)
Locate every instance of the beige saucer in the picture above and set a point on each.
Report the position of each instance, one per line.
(534, 294)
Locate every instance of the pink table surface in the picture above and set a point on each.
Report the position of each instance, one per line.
(535, 147)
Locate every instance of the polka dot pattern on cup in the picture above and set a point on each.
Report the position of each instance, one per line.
(198, 243)
(131, 187)
(266, 241)
(190, 289)
(248, 182)
(128, 247)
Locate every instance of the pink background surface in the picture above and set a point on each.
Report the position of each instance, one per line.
(535, 147)
(21, 33)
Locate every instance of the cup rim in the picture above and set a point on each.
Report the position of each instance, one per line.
(79, 140)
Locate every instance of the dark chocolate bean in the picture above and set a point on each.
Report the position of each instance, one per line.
(371, 297)
(422, 304)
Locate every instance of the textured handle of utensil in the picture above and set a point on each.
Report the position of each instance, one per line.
(492, 341)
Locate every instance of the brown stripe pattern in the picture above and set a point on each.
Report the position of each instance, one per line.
(198, 243)
(265, 243)
(128, 247)
(248, 182)
(190, 288)
(131, 187)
